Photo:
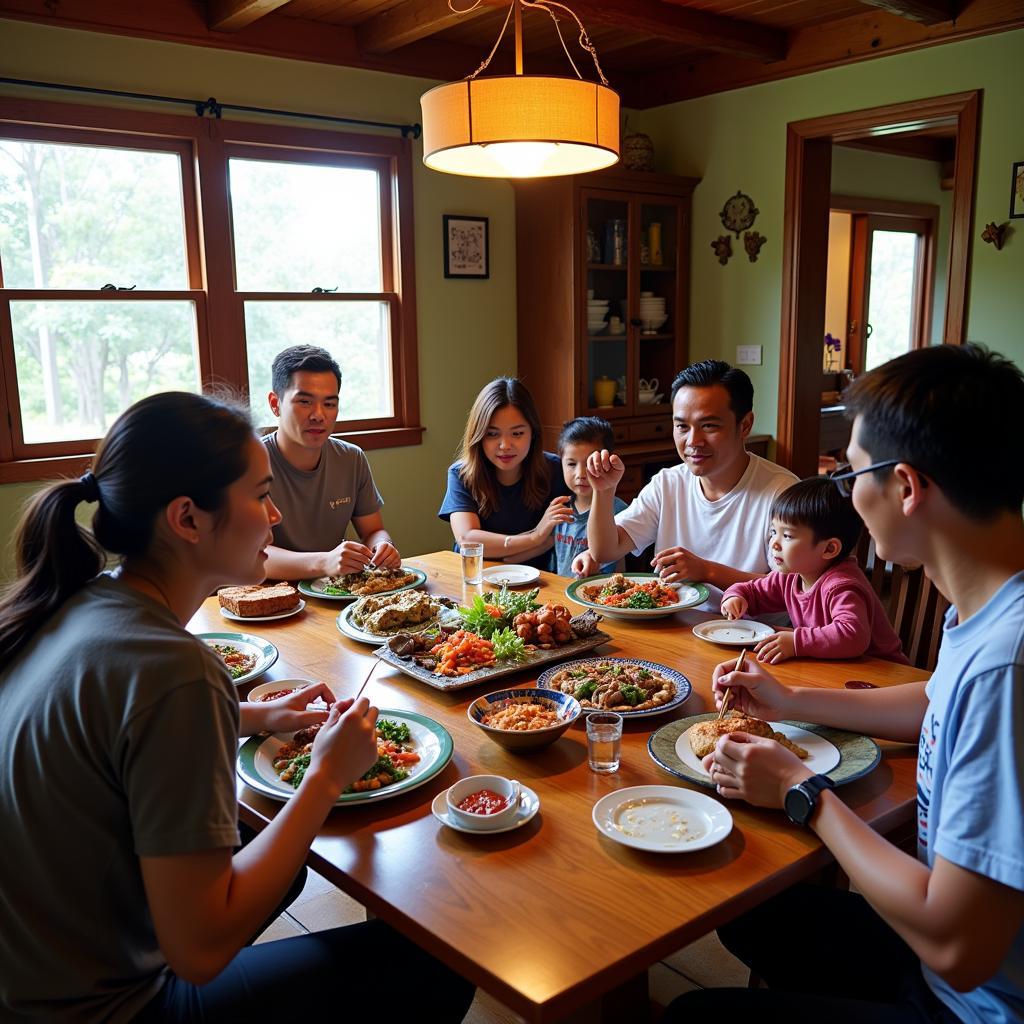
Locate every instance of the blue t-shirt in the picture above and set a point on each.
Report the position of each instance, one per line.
(970, 776)
(571, 540)
(512, 515)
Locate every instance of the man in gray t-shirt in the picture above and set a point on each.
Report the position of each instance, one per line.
(321, 483)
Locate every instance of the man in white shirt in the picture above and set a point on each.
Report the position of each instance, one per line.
(709, 517)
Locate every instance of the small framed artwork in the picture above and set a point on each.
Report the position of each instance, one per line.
(465, 247)
(1017, 190)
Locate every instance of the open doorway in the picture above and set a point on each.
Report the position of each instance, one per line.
(907, 261)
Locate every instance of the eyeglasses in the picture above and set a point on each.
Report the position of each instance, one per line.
(843, 477)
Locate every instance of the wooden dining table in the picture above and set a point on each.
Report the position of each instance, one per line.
(554, 917)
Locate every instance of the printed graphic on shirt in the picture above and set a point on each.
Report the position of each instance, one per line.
(338, 502)
(926, 754)
(566, 539)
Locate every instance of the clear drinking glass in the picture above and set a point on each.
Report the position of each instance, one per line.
(472, 563)
(604, 741)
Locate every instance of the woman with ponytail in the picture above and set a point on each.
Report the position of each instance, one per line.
(122, 897)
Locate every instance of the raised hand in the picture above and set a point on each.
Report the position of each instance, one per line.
(604, 470)
(754, 691)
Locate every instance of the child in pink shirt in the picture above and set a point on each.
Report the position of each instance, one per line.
(833, 608)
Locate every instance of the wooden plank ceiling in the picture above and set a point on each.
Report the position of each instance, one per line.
(652, 51)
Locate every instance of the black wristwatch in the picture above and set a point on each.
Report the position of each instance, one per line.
(803, 798)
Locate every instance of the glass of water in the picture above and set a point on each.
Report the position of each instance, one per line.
(604, 741)
(472, 563)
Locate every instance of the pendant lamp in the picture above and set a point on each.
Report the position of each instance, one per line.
(522, 126)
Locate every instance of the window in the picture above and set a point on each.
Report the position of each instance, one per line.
(142, 253)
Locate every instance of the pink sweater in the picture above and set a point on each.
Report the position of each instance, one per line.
(839, 617)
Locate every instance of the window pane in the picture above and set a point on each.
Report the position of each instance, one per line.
(357, 334)
(80, 364)
(303, 226)
(891, 298)
(84, 216)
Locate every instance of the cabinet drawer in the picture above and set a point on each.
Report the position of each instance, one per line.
(631, 482)
(620, 432)
(650, 431)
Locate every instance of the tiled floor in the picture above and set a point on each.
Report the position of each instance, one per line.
(705, 964)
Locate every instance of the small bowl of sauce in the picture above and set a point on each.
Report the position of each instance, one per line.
(484, 802)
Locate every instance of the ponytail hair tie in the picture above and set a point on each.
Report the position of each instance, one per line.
(91, 485)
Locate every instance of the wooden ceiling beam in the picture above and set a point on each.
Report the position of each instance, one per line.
(409, 22)
(232, 15)
(927, 12)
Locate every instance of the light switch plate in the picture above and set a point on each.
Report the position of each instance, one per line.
(748, 355)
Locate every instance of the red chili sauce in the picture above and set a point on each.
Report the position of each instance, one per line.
(486, 801)
(273, 695)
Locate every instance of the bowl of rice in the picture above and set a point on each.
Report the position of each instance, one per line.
(524, 719)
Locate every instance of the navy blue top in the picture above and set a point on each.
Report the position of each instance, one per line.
(511, 516)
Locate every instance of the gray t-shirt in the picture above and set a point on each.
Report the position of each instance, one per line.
(318, 504)
(118, 737)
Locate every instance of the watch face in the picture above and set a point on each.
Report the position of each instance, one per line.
(798, 806)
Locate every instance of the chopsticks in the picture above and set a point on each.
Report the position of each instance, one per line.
(365, 681)
(728, 689)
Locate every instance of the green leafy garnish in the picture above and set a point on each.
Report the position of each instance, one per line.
(301, 763)
(644, 674)
(632, 695)
(641, 599)
(477, 619)
(336, 591)
(507, 645)
(585, 690)
(391, 730)
(511, 602)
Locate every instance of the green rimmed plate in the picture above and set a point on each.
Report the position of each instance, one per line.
(254, 646)
(690, 595)
(432, 741)
(315, 587)
(858, 754)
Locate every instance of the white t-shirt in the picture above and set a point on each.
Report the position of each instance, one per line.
(671, 511)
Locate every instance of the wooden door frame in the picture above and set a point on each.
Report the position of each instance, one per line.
(805, 248)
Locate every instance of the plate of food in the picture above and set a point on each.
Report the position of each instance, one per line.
(629, 686)
(511, 575)
(733, 632)
(411, 750)
(262, 603)
(351, 585)
(498, 634)
(372, 620)
(842, 756)
(246, 656)
(281, 688)
(662, 819)
(635, 595)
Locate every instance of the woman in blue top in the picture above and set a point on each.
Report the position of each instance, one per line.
(504, 490)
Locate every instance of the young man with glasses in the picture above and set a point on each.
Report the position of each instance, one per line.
(938, 938)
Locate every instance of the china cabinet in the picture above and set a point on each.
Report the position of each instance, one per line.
(602, 282)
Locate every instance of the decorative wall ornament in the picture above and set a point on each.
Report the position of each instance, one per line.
(723, 248)
(739, 213)
(1017, 190)
(465, 247)
(994, 233)
(637, 152)
(752, 242)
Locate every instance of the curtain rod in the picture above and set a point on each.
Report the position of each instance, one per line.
(214, 109)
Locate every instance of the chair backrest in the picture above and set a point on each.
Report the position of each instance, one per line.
(911, 601)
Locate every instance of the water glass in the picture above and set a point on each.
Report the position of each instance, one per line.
(604, 741)
(472, 563)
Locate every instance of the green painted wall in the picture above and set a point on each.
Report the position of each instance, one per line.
(467, 329)
(737, 140)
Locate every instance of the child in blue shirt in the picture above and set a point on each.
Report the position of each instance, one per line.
(937, 478)
(578, 439)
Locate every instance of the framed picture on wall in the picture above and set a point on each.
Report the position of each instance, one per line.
(1017, 190)
(465, 247)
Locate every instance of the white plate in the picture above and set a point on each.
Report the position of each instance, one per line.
(266, 653)
(528, 807)
(513, 575)
(282, 684)
(822, 755)
(662, 819)
(350, 629)
(733, 633)
(263, 618)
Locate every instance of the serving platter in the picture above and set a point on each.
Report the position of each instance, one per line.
(432, 742)
(690, 595)
(858, 754)
(662, 819)
(484, 675)
(683, 686)
(315, 587)
(733, 632)
(265, 652)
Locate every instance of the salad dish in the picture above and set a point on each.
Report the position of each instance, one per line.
(628, 686)
(635, 595)
(411, 749)
(352, 585)
(246, 656)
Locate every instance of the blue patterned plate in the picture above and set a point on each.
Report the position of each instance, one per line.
(682, 684)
